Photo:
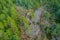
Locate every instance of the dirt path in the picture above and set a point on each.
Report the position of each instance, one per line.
(35, 28)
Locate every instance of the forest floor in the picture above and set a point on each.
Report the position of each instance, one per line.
(35, 33)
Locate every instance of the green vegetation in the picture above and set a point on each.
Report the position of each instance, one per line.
(13, 21)
(8, 21)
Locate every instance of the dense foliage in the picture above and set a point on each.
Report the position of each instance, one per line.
(53, 17)
(8, 21)
(13, 21)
